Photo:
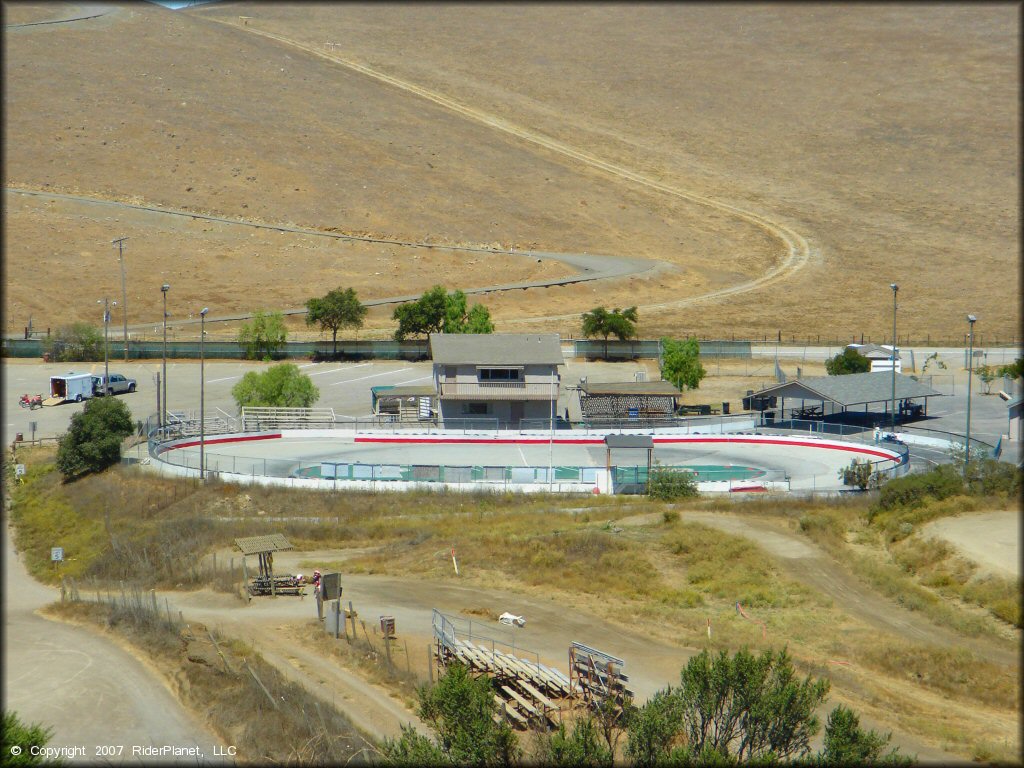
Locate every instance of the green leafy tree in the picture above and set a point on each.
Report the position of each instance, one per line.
(338, 309)
(618, 323)
(478, 320)
(1014, 370)
(655, 732)
(280, 386)
(847, 361)
(846, 743)
(424, 316)
(742, 709)
(669, 484)
(75, 342)
(264, 335)
(93, 440)
(462, 713)
(987, 374)
(24, 737)
(578, 748)
(438, 311)
(680, 363)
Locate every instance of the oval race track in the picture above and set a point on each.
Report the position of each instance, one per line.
(807, 462)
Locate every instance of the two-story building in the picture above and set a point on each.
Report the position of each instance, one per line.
(497, 377)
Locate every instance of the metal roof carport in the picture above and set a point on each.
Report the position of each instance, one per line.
(852, 389)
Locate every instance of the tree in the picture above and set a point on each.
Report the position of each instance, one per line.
(859, 474)
(680, 363)
(847, 361)
(478, 320)
(280, 386)
(846, 743)
(461, 710)
(93, 440)
(78, 341)
(423, 316)
(24, 737)
(437, 311)
(264, 335)
(1014, 370)
(618, 323)
(987, 374)
(576, 749)
(741, 709)
(668, 484)
(338, 309)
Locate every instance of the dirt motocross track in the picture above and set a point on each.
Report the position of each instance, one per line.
(608, 130)
(652, 663)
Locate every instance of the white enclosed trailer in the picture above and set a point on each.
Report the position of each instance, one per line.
(70, 386)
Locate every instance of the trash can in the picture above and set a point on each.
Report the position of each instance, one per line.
(725, 408)
(19, 438)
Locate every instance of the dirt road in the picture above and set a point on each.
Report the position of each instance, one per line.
(90, 691)
(990, 539)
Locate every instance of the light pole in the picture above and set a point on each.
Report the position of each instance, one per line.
(894, 289)
(163, 376)
(971, 320)
(106, 336)
(124, 293)
(551, 435)
(202, 393)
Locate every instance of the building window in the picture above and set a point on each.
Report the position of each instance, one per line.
(499, 374)
(477, 409)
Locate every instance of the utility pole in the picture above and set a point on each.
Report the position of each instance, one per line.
(971, 319)
(163, 379)
(119, 242)
(894, 289)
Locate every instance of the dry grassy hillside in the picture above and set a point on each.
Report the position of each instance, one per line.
(887, 138)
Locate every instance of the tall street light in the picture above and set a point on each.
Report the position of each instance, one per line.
(971, 320)
(894, 289)
(106, 341)
(202, 393)
(163, 376)
(124, 291)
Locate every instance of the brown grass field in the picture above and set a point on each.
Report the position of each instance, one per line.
(714, 140)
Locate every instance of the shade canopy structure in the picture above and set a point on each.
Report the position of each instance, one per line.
(839, 394)
(852, 389)
(255, 545)
(637, 400)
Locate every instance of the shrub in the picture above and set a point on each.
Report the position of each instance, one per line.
(847, 361)
(280, 386)
(24, 737)
(911, 490)
(93, 442)
(76, 342)
(668, 484)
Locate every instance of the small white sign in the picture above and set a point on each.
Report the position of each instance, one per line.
(19, 470)
(57, 554)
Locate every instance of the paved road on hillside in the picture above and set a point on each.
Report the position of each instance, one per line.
(90, 691)
(586, 266)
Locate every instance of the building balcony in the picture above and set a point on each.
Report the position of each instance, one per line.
(497, 390)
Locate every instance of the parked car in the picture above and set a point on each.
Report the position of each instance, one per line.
(118, 385)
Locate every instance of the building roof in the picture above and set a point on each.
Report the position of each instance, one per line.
(852, 389)
(404, 391)
(874, 351)
(496, 349)
(629, 441)
(630, 388)
(252, 545)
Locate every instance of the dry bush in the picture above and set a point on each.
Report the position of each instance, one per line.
(957, 672)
